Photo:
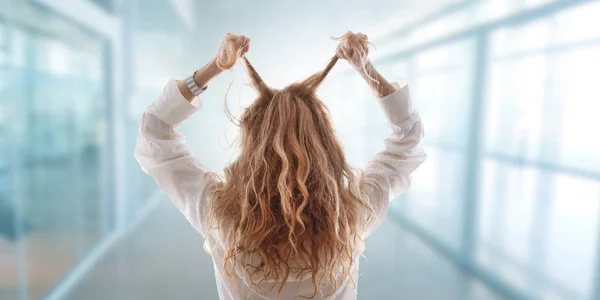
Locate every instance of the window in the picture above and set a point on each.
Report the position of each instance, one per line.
(537, 171)
(540, 190)
(54, 190)
(440, 84)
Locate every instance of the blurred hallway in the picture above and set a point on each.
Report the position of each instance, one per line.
(399, 266)
(507, 91)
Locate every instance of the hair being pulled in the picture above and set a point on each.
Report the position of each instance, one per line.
(290, 205)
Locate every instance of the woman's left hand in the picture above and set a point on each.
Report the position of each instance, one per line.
(233, 47)
(353, 47)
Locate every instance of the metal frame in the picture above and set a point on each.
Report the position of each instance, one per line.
(470, 205)
(596, 292)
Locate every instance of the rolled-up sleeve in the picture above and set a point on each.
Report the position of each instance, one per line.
(388, 174)
(163, 154)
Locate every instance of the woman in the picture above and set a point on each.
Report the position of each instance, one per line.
(289, 218)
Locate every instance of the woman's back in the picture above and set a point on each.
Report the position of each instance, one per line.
(236, 287)
(290, 216)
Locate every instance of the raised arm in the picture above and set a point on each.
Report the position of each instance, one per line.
(391, 168)
(388, 173)
(233, 47)
(162, 152)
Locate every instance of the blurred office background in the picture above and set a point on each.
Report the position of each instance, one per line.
(507, 206)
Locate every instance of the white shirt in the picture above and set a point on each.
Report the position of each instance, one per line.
(163, 154)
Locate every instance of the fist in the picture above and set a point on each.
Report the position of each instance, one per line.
(354, 48)
(233, 47)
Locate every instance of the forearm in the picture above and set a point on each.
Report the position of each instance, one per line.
(203, 76)
(375, 80)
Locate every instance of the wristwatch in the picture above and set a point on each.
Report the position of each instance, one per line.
(191, 84)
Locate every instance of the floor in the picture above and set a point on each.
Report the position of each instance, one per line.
(49, 255)
(163, 258)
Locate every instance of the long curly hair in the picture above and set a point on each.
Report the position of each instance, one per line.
(290, 201)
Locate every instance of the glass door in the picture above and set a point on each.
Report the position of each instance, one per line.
(55, 198)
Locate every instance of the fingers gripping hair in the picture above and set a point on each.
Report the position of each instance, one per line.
(290, 200)
(358, 46)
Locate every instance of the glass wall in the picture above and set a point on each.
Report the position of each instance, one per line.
(509, 99)
(69, 184)
(54, 164)
(540, 189)
(440, 86)
(506, 90)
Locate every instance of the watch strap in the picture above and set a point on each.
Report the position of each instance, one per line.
(191, 84)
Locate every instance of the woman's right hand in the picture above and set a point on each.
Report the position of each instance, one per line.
(233, 47)
(354, 48)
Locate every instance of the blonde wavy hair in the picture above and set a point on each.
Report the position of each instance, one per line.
(290, 200)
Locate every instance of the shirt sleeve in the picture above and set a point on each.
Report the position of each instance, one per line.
(163, 154)
(388, 174)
